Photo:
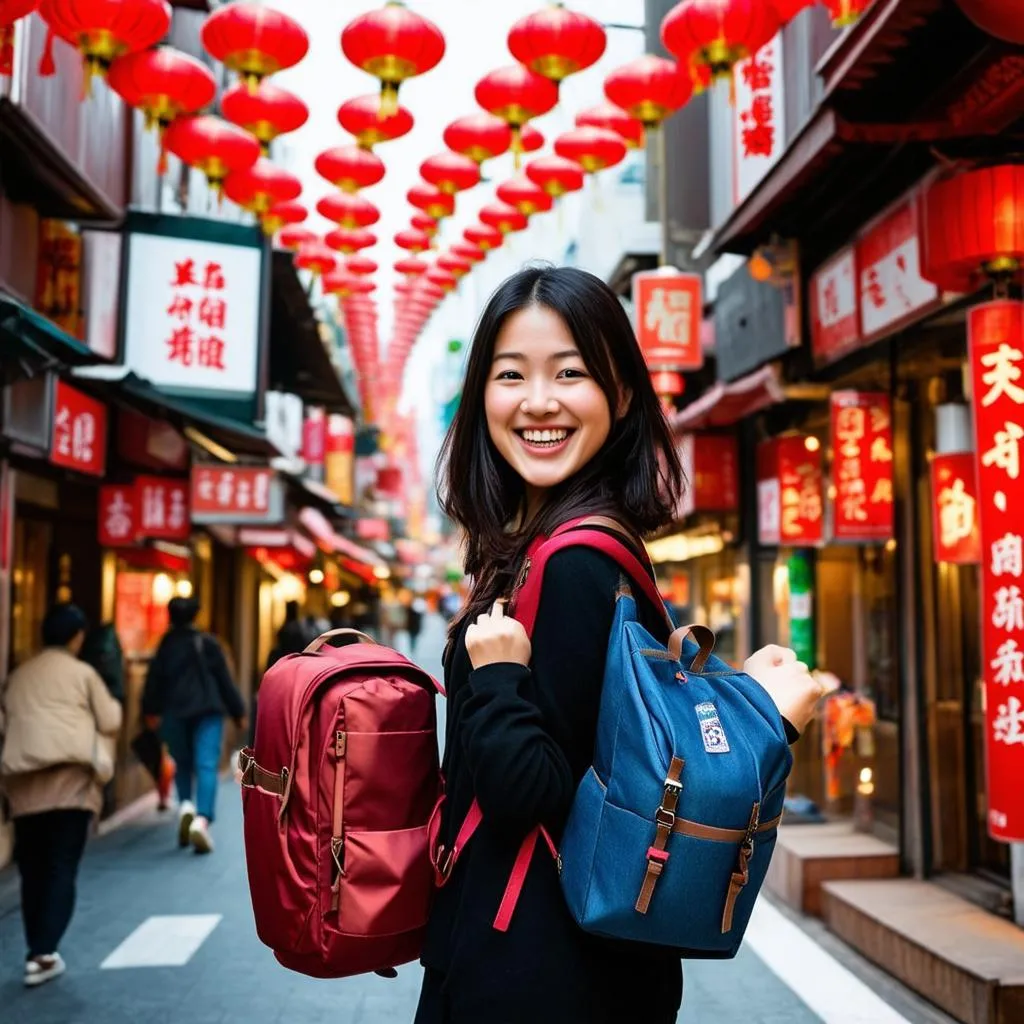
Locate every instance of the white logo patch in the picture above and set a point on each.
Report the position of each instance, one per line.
(711, 730)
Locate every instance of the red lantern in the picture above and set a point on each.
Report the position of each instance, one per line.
(787, 10)
(454, 264)
(521, 193)
(413, 240)
(363, 119)
(254, 41)
(593, 149)
(350, 168)
(361, 266)
(421, 222)
(607, 115)
(450, 172)
(846, 12)
(259, 187)
(348, 211)
(296, 238)
(973, 227)
(502, 218)
(479, 136)
(555, 175)
(281, 214)
(317, 258)
(473, 253)
(163, 83)
(516, 94)
(10, 12)
(431, 200)
(441, 278)
(556, 42)
(649, 89)
(668, 385)
(266, 112)
(338, 282)
(211, 145)
(392, 44)
(484, 236)
(102, 32)
(350, 240)
(411, 267)
(717, 34)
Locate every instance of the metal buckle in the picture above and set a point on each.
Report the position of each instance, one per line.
(665, 818)
(674, 784)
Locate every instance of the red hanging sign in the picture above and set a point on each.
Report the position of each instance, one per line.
(79, 436)
(668, 314)
(955, 509)
(835, 319)
(118, 518)
(314, 437)
(162, 508)
(995, 339)
(711, 465)
(231, 490)
(790, 508)
(862, 466)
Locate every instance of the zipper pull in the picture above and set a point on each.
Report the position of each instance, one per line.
(340, 744)
(521, 578)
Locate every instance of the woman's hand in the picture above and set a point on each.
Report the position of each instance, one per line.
(493, 638)
(788, 682)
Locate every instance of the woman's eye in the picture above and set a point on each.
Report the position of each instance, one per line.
(571, 373)
(509, 375)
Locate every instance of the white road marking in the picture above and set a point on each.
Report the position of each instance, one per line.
(163, 942)
(831, 991)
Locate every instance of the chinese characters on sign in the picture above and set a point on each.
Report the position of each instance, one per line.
(117, 527)
(150, 508)
(835, 321)
(668, 315)
(955, 509)
(995, 334)
(862, 464)
(790, 506)
(759, 135)
(199, 313)
(234, 493)
(711, 465)
(79, 436)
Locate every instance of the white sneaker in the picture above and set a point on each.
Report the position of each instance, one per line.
(186, 815)
(199, 836)
(41, 969)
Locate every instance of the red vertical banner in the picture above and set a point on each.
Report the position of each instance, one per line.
(118, 516)
(955, 509)
(995, 339)
(314, 436)
(790, 506)
(668, 314)
(862, 464)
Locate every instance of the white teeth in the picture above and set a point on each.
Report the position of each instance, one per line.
(545, 436)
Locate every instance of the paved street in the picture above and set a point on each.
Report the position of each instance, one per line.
(161, 935)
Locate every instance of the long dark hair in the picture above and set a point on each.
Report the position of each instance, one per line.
(635, 478)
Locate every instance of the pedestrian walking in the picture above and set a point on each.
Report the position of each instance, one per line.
(58, 720)
(294, 636)
(189, 691)
(558, 420)
(414, 621)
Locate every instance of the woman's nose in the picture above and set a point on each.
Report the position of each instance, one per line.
(539, 402)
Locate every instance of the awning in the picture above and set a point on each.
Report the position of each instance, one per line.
(332, 542)
(726, 404)
(32, 343)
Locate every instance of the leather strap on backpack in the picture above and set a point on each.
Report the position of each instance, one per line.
(665, 819)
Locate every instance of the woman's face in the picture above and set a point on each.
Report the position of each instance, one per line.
(545, 414)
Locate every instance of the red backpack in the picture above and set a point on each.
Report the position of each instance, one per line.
(337, 791)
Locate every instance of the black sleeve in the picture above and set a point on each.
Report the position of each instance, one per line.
(528, 733)
(153, 694)
(218, 665)
(792, 733)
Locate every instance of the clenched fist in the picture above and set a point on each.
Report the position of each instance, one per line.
(788, 682)
(494, 638)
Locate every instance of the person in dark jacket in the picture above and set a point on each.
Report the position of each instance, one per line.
(189, 691)
(558, 420)
(294, 636)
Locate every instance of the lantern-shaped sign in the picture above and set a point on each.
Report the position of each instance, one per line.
(846, 12)
(717, 34)
(431, 200)
(502, 218)
(211, 145)
(392, 44)
(450, 172)
(282, 214)
(350, 240)
(649, 89)
(259, 187)
(102, 32)
(556, 42)
(348, 211)
(10, 12)
(479, 136)
(484, 236)
(316, 258)
(411, 267)
(555, 175)
(254, 41)
(516, 94)
(266, 112)
(412, 240)
(522, 194)
(593, 149)
(163, 83)
(362, 118)
(350, 168)
(607, 115)
(296, 238)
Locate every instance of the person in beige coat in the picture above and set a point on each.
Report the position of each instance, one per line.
(58, 723)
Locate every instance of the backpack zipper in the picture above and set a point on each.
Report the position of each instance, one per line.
(337, 837)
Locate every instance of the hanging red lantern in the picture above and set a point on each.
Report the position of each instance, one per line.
(424, 223)
(846, 12)
(10, 12)
(102, 32)
(649, 89)
(339, 282)
(350, 240)
(473, 253)
(413, 240)
(350, 168)
(348, 211)
(607, 115)
(972, 228)
(295, 238)
(260, 186)
(717, 34)
(522, 194)
(254, 41)
(317, 258)
(668, 384)
(450, 172)
(787, 10)
(211, 145)
(530, 139)
(441, 278)
(282, 214)
(502, 218)
(361, 266)
(454, 264)
(163, 83)
(516, 94)
(392, 44)
(362, 118)
(594, 149)
(266, 112)
(484, 236)
(431, 200)
(555, 175)
(556, 42)
(479, 136)
(411, 267)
